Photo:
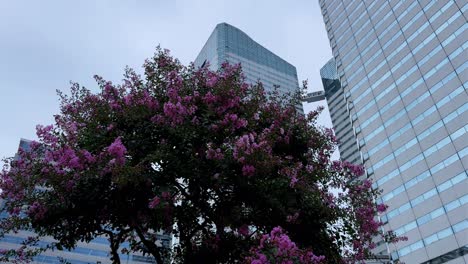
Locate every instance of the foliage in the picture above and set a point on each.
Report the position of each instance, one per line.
(234, 173)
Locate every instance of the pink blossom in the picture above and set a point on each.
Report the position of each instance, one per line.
(88, 156)
(212, 81)
(234, 121)
(214, 154)
(177, 112)
(292, 172)
(37, 211)
(35, 145)
(246, 145)
(293, 181)
(356, 170)
(174, 79)
(248, 170)
(118, 151)
(45, 133)
(260, 259)
(158, 119)
(336, 165)
(309, 168)
(279, 247)
(173, 94)
(381, 208)
(154, 202)
(209, 98)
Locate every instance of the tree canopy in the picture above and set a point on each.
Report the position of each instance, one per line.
(234, 173)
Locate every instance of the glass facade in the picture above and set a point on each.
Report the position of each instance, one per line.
(229, 44)
(402, 66)
(339, 113)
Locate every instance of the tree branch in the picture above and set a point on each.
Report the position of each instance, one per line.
(151, 247)
(114, 246)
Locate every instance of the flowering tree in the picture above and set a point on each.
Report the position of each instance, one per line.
(235, 174)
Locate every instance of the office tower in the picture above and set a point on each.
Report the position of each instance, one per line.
(95, 251)
(339, 113)
(229, 44)
(344, 131)
(402, 67)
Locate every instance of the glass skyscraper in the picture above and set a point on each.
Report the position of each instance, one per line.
(229, 44)
(402, 66)
(339, 113)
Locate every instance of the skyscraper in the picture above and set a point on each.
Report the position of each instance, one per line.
(339, 113)
(344, 130)
(402, 68)
(229, 44)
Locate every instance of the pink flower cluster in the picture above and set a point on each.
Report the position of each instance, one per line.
(212, 80)
(277, 247)
(46, 134)
(117, 150)
(142, 98)
(356, 170)
(234, 122)
(214, 154)
(154, 202)
(178, 107)
(246, 145)
(176, 112)
(37, 211)
(63, 159)
(229, 70)
(292, 172)
(365, 211)
(248, 170)
(10, 190)
(111, 95)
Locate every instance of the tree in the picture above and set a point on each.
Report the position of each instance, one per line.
(236, 174)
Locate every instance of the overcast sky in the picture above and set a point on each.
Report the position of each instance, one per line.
(46, 44)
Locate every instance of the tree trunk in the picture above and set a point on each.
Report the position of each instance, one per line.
(150, 246)
(114, 245)
(115, 255)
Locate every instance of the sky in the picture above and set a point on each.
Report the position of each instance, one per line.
(46, 44)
